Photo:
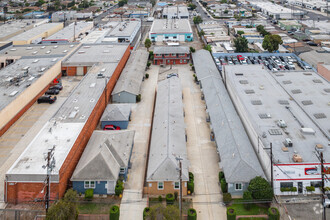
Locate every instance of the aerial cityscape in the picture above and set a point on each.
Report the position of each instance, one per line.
(164, 109)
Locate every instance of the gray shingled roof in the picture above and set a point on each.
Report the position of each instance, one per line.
(237, 156)
(172, 49)
(130, 79)
(103, 156)
(168, 134)
(116, 112)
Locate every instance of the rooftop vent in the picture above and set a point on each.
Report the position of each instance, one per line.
(65, 51)
(42, 69)
(249, 91)
(307, 74)
(327, 90)
(307, 102)
(287, 82)
(92, 85)
(73, 114)
(103, 70)
(317, 80)
(13, 93)
(275, 132)
(31, 78)
(35, 61)
(53, 60)
(264, 115)
(92, 100)
(13, 49)
(297, 158)
(283, 102)
(71, 46)
(319, 115)
(25, 68)
(35, 52)
(43, 47)
(106, 51)
(81, 51)
(296, 91)
(243, 82)
(87, 46)
(55, 47)
(279, 74)
(256, 102)
(29, 48)
(48, 52)
(239, 74)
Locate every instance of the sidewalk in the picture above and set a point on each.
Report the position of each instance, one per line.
(132, 203)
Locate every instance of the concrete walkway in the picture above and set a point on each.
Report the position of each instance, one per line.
(202, 152)
(132, 203)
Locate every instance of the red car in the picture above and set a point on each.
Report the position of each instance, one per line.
(239, 57)
(111, 127)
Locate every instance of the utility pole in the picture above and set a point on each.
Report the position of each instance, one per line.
(180, 177)
(319, 156)
(50, 165)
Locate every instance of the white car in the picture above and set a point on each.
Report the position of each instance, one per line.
(274, 70)
(217, 62)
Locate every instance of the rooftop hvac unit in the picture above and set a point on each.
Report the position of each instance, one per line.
(297, 158)
(13, 93)
(42, 69)
(307, 130)
(319, 147)
(43, 47)
(35, 61)
(25, 68)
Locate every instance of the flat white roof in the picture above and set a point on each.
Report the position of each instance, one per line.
(164, 26)
(68, 32)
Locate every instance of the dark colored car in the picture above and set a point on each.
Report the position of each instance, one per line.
(46, 99)
(52, 92)
(311, 43)
(58, 87)
(111, 127)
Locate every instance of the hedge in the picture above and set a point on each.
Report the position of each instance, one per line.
(191, 176)
(273, 214)
(288, 189)
(227, 198)
(221, 176)
(310, 188)
(231, 214)
(114, 212)
(192, 214)
(146, 212)
(119, 188)
(89, 193)
(191, 186)
(169, 199)
(223, 184)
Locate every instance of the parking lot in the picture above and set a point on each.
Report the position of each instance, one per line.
(273, 62)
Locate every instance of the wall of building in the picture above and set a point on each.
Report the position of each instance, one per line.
(121, 124)
(123, 97)
(172, 37)
(238, 193)
(100, 187)
(170, 61)
(323, 71)
(152, 188)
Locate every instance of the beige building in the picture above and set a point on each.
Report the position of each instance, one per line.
(168, 141)
(36, 34)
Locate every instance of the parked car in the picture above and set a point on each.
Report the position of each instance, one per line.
(57, 86)
(240, 57)
(111, 127)
(172, 74)
(46, 99)
(52, 92)
(311, 43)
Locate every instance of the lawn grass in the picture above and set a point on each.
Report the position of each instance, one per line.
(94, 208)
(252, 218)
(186, 204)
(255, 209)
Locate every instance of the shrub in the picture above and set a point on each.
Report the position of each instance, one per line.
(89, 193)
(160, 199)
(176, 194)
(138, 98)
(273, 214)
(310, 188)
(191, 176)
(223, 184)
(192, 50)
(191, 186)
(260, 189)
(146, 212)
(114, 213)
(247, 197)
(288, 189)
(221, 176)
(227, 198)
(192, 214)
(151, 55)
(148, 64)
(169, 199)
(231, 214)
(119, 188)
(147, 75)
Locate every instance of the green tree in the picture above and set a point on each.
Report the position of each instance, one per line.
(65, 208)
(272, 42)
(223, 1)
(240, 32)
(262, 31)
(225, 11)
(192, 6)
(260, 189)
(147, 43)
(208, 48)
(121, 3)
(204, 4)
(197, 19)
(201, 33)
(241, 44)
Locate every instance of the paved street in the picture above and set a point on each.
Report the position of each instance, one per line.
(132, 203)
(16, 139)
(202, 153)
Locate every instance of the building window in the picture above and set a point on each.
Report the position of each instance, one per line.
(316, 184)
(89, 184)
(238, 186)
(188, 37)
(173, 54)
(122, 170)
(286, 184)
(166, 54)
(180, 61)
(174, 37)
(160, 185)
(168, 61)
(166, 37)
(176, 185)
